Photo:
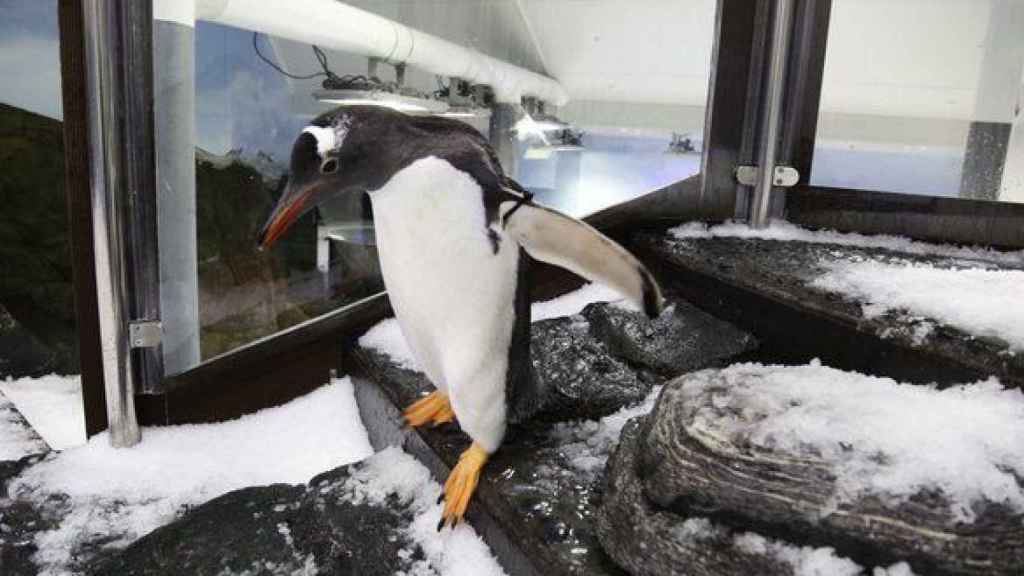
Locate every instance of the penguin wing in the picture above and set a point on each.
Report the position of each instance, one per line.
(559, 239)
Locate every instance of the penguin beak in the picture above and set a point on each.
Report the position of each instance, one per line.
(291, 205)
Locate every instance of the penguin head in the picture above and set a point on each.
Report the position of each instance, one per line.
(336, 154)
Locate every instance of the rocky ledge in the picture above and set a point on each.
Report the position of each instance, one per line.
(538, 495)
(779, 291)
(756, 469)
(346, 521)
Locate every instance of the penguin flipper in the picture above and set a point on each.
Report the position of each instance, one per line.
(559, 239)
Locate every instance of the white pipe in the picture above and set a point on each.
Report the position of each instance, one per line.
(334, 25)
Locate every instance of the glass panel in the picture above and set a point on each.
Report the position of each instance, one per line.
(246, 124)
(638, 88)
(39, 351)
(37, 319)
(924, 97)
(632, 125)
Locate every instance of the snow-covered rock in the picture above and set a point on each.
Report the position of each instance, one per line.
(873, 467)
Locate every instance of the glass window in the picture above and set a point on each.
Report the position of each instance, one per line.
(37, 318)
(245, 126)
(924, 97)
(632, 125)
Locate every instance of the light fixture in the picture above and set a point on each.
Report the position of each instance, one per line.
(465, 100)
(407, 104)
(681, 144)
(566, 140)
(370, 90)
(536, 124)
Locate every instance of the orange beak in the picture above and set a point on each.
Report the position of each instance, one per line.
(285, 214)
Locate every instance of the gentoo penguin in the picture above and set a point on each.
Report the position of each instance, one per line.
(451, 234)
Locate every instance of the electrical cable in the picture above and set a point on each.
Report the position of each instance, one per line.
(331, 80)
(272, 64)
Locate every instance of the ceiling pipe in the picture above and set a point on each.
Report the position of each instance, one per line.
(337, 26)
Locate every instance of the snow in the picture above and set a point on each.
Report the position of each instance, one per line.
(587, 444)
(886, 438)
(52, 405)
(452, 552)
(978, 301)
(783, 231)
(386, 336)
(574, 302)
(804, 560)
(118, 494)
(16, 439)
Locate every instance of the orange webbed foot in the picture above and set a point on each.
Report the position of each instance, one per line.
(461, 484)
(433, 407)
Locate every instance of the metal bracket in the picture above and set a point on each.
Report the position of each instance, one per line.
(785, 176)
(145, 333)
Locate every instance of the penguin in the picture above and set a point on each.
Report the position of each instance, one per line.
(453, 233)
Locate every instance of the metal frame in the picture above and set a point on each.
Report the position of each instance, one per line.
(747, 75)
(768, 61)
(77, 186)
(105, 94)
(772, 116)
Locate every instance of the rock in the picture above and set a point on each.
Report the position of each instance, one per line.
(689, 460)
(648, 541)
(319, 528)
(543, 487)
(683, 338)
(20, 521)
(579, 377)
(767, 286)
(19, 438)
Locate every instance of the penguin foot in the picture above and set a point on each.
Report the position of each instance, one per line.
(461, 484)
(433, 407)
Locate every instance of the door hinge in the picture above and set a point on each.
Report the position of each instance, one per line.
(145, 333)
(784, 176)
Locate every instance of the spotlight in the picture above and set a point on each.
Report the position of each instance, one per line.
(681, 144)
(566, 140)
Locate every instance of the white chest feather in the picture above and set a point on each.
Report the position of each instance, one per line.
(452, 294)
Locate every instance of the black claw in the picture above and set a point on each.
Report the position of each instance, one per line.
(440, 525)
(455, 522)
(440, 498)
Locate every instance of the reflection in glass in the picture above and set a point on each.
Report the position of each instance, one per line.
(37, 314)
(632, 126)
(924, 97)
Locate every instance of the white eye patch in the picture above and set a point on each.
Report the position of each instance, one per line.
(326, 139)
(331, 137)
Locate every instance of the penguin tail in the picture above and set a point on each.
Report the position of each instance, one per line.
(566, 242)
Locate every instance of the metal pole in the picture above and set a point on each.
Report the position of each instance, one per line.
(775, 84)
(101, 40)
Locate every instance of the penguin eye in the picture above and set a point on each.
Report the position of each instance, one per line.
(329, 166)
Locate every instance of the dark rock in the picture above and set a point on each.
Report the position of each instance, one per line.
(543, 487)
(683, 338)
(278, 529)
(529, 487)
(579, 377)
(27, 438)
(650, 541)
(687, 461)
(765, 286)
(20, 521)
(9, 469)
